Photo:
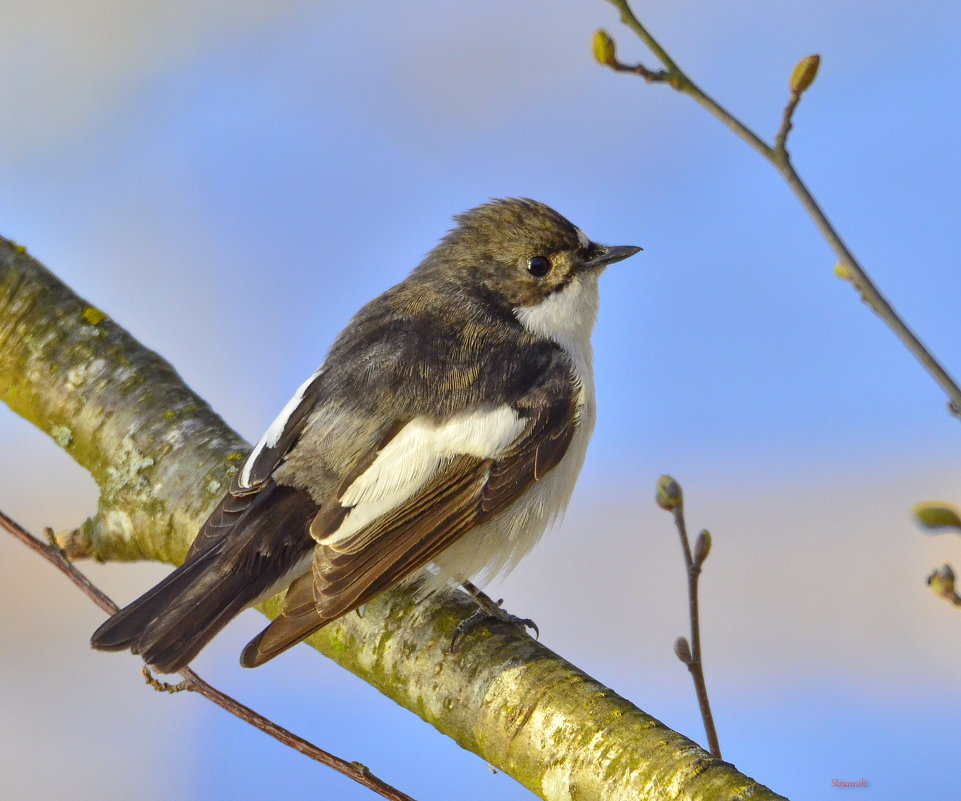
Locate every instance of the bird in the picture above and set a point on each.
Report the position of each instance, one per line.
(442, 434)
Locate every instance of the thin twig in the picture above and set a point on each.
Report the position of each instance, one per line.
(651, 76)
(777, 156)
(193, 683)
(787, 122)
(670, 497)
(801, 79)
(696, 664)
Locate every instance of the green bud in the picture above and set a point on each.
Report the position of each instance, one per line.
(842, 272)
(804, 73)
(605, 51)
(669, 495)
(937, 514)
(942, 582)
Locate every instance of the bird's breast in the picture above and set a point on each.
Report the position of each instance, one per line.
(495, 547)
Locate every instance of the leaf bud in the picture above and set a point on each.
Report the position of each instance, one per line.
(669, 495)
(942, 582)
(702, 547)
(937, 514)
(605, 51)
(841, 271)
(804, 74)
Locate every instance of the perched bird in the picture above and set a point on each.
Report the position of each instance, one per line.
(442, 434)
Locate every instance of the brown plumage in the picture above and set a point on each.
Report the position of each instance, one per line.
(446, 426)
(469, 491)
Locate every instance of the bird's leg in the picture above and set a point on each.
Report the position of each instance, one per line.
(487, 610)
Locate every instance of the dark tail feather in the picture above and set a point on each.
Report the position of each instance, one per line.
(123, 629)
(300, 619)
(271, 642)
(175, 638)
(169, 624)
(246, 548)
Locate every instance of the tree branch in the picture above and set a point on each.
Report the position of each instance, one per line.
(670, 497)
(193, 683)
(778, 156)
(162, 458)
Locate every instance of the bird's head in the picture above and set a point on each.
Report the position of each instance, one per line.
(521, 250)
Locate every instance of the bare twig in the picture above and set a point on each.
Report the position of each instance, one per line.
(193, 683)
(671, 498)
(777, 155)
(803, 76)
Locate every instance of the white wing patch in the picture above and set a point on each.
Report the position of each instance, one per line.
(415, 455)
(272, 435)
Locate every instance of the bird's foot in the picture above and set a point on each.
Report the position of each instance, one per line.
(488, 611)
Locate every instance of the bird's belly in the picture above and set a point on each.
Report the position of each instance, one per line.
(495, 547)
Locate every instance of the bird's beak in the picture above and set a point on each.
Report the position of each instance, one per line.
(602, 255)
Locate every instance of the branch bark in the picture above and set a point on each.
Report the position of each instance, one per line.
(162, 458)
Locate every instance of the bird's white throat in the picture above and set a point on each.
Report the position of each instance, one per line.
(567, 317)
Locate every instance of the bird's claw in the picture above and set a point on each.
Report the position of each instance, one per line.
(485, 614)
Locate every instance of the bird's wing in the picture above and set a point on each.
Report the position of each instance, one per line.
(281, 436)
(254, 477)
(426, 488)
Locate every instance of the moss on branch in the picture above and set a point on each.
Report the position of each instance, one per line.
(120, 410)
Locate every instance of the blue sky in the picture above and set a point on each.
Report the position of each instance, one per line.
(231, 181)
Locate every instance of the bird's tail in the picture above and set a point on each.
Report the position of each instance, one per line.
(250, 547)
(171, 623)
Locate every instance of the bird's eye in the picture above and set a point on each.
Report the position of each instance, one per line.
(538, 266)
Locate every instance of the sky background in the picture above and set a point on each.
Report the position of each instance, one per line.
(230, 181)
